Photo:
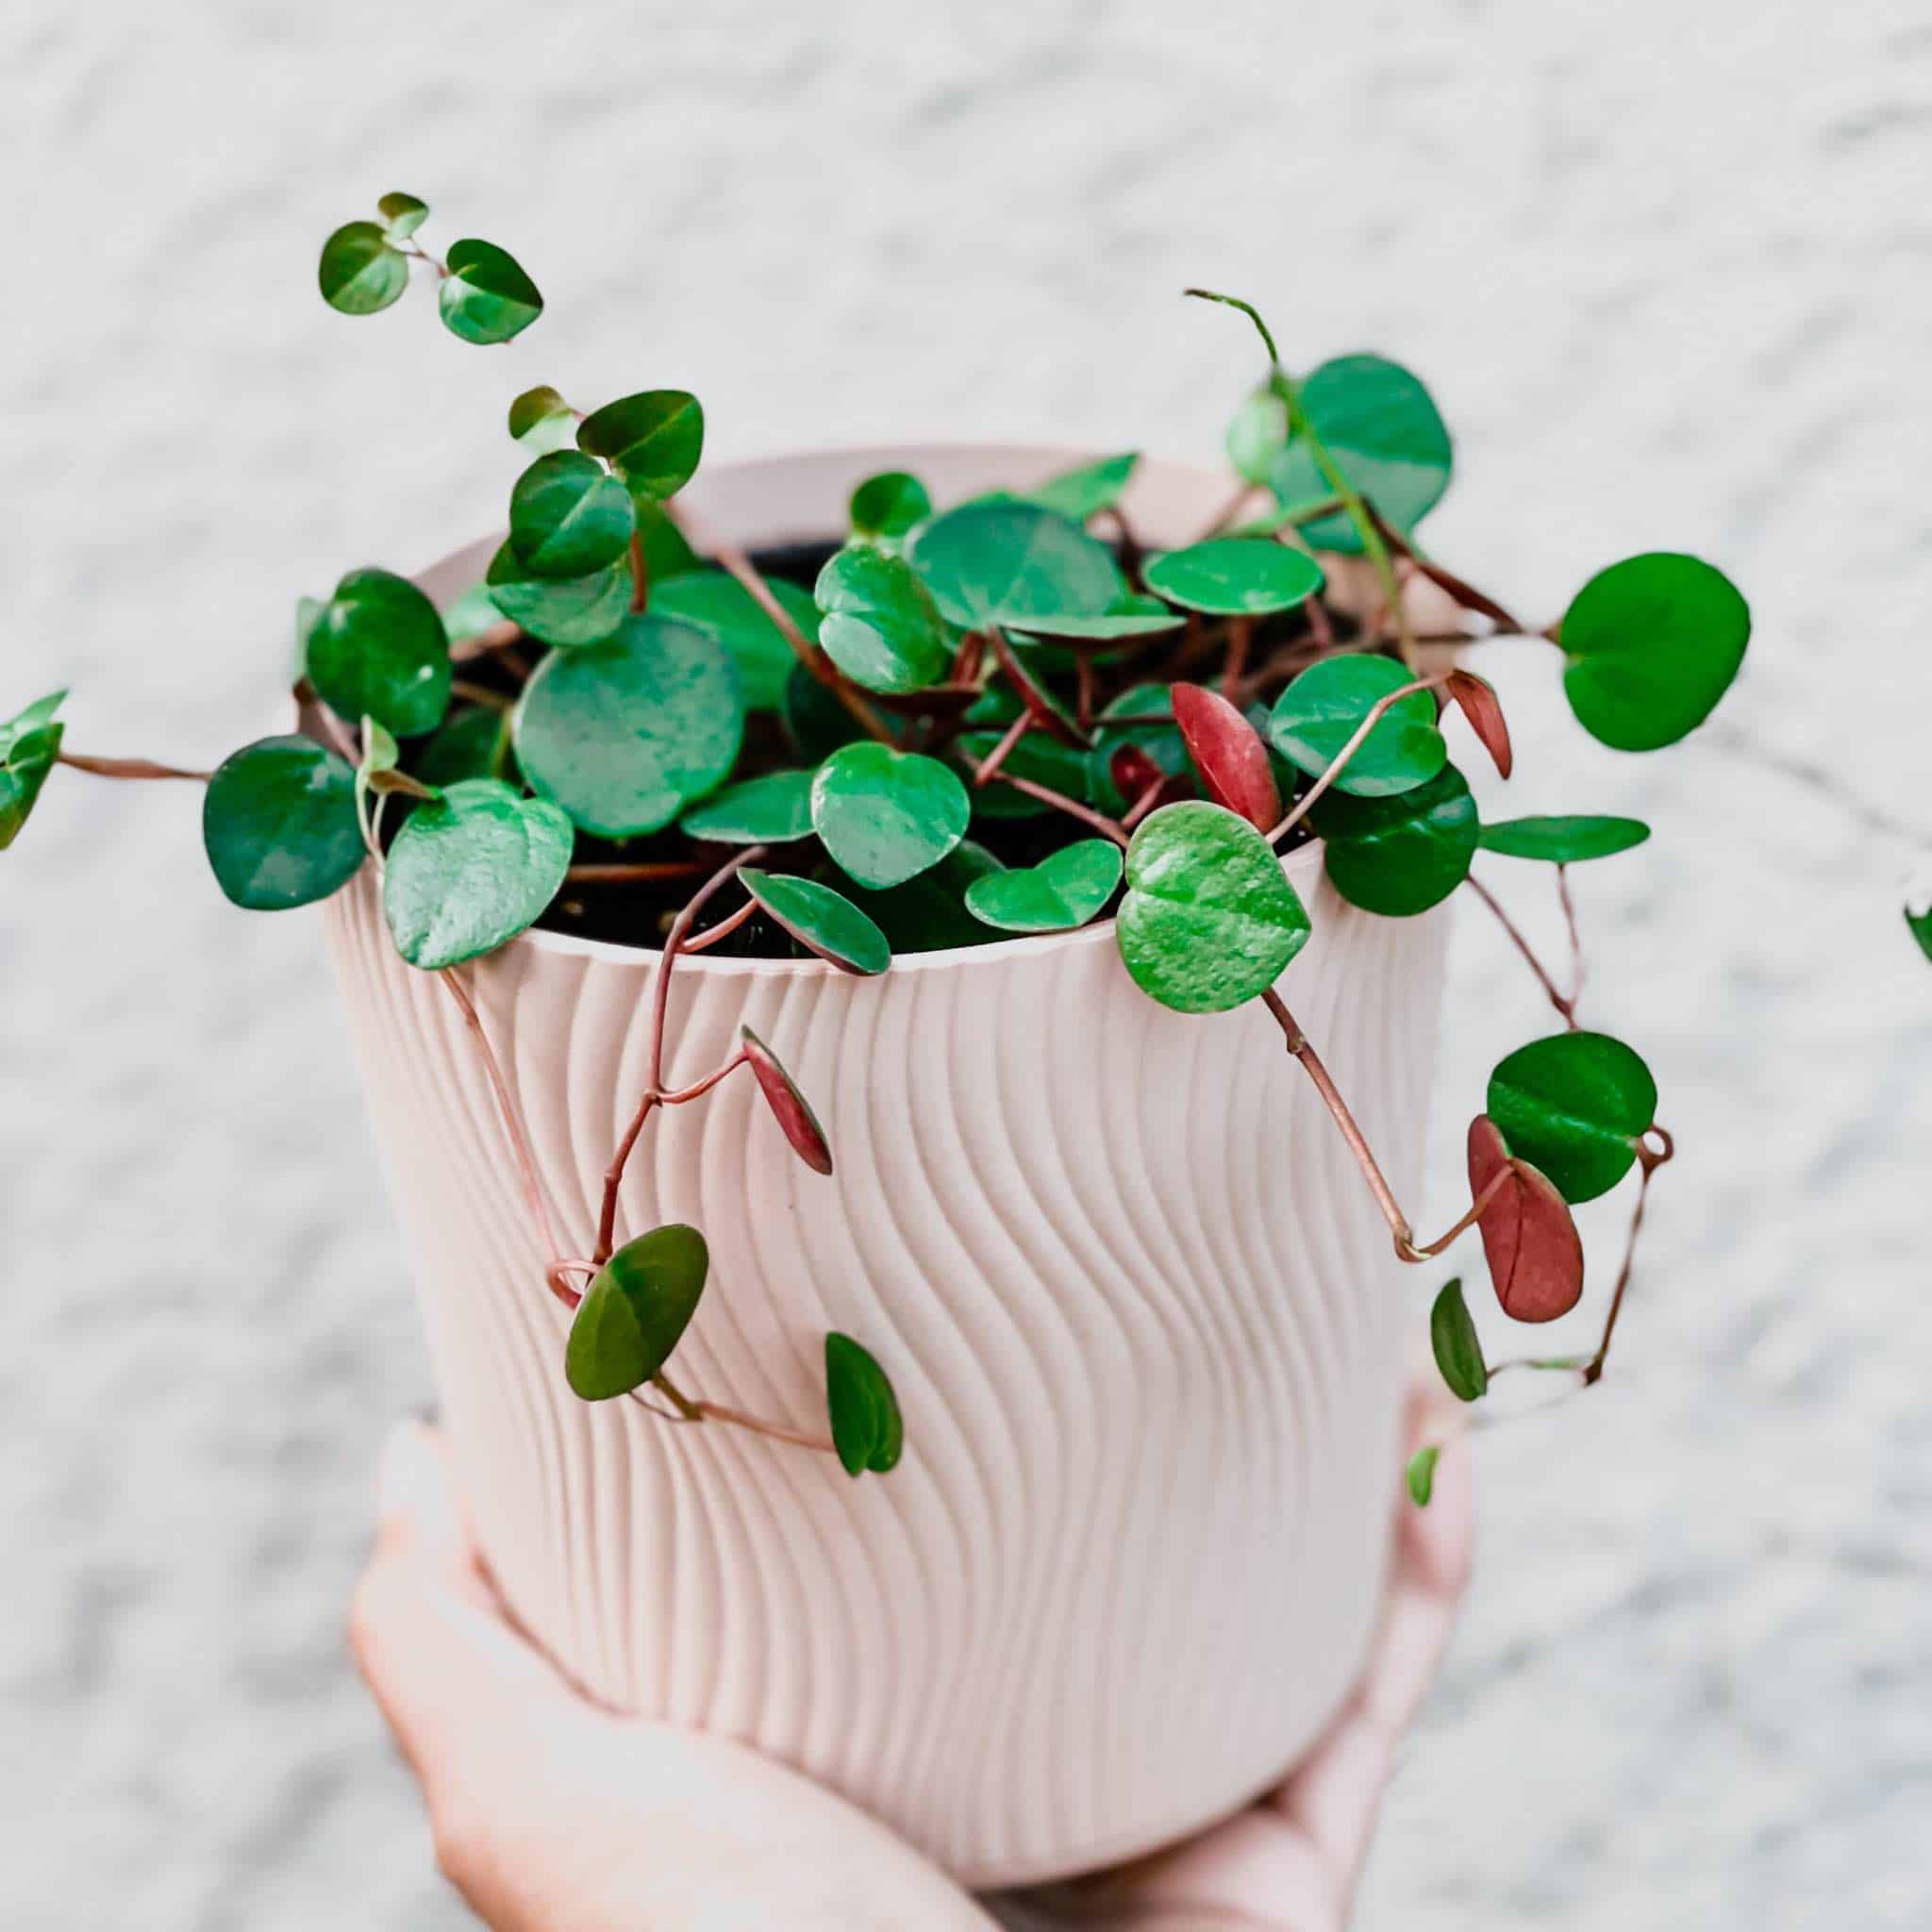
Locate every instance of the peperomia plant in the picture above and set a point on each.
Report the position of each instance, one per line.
(957, 724)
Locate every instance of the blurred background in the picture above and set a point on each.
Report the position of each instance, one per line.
(1667, 270)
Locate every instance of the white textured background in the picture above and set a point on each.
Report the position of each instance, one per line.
(1667, 268)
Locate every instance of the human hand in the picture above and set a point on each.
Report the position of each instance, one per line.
(548, 1813)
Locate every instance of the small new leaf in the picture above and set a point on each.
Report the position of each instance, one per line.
(486, 297)
(359, 271)
(635, 1312)
(30, 747)
(789, 1106)
(867, 1429)
(1456, 1346)
(1421, 1474)
(652, 440)
(403, 214)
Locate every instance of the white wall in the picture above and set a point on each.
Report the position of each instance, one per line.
(1666, 267)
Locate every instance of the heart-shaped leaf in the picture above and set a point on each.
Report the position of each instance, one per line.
(541, 419)
(928, 914)
(1013, 563)
(1228, 753)
(1477, 699)
(1316, 716)
(821, 920)
(403, 214)
(770, 810)
(30, 747)
(1529, 1239)
(1575, 1106)
(377, 649)
(1087, 489)
(635, 1312)
(888, 505)
(867, 1430)
(887, 815)
(722, 607)
(568, 516)
(789, 1106)
(881, 627)
(1420, 1474)
(469, 871)
(1400, 856)
(626, 733)
(279, 823)
(1065, 889)
(486, 297)
(1256, 435)
(1563, 840)
(360, 271)
(1381, 426)
(1652, 644)
(1235, 577)
(652, 440)
(1458, 1348)
(565, 612)
(1209, 920)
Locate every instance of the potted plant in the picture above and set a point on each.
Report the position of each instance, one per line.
(922, 966)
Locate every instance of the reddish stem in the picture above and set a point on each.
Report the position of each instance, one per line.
(678, 1095)
(1477, 1209)
(1569, 904)
(1567, 1007)
(1359, 738)
(128, 767)
(639, 573)
(1240, 635)
(654, 868)
(989, 767)
(1649, 1160)
(1060, 802)
(712, 934)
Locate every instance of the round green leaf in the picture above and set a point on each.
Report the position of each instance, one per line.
(30, 745)
(825, 921)
(1316, 716)
(881, 627)
(568, 516)
(404, 214)
(1382, 427)
(626, 733)
(1258, 435)
(1013, 563)
(1065, 889)
(541, 419)
(472, 744)
(1652, 644)
(1088, 489)
(378, 649)
(766, 810)
(1564, 840)
(928, 914)
(722, 607)
(1400, 856)
(471, 870)
(886, 815)
(1238, 577)
(888, 505)
(359, 271)
(567, 613)
(653, 439)
(1458, 1349)
(1575, 1106)
(866, 1425)
(1208, 920)
(486, 296)
(279, 823)
(635, 1312)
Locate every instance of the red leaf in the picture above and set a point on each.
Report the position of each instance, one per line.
(1534, 1251)
(1484, 710)
(1229, 755)
(800, 1124)
(1132, 771)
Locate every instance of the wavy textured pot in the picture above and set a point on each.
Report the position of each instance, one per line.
(1143, 1317)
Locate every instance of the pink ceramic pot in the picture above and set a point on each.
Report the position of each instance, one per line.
(1143, 1317)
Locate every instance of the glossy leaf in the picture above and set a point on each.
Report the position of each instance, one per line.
(486, 297)
(1088, 489)
(653, 439)
(1065, 889)
(1228, 753)
(1210, 921)
(1476, 697)
(626, 733)
(278, 823)
(886, 815)
(29, 747)
(403, 213)
(821, 920)
(1131, 616)
(1013, 563)
(866, 1425)
(378, 649)
(469, 616)
(568, 516)
(770, 810)
(472, 744)
(1235, 577)
(722, 607)
(379, 756)
(1400, 856)
(1652, 644)
(1316, 716)
(635, 1312)
(667, 554)
(888, 505)
(469, 871)
(1563, 840)
(1456, 1346)
(790, 1108)
(541, 419)
(1421, 1474)
(928, 914)
(880, 626)
(1576, 1106)
(1256, 435)
(359, 271)
(1529, 1238)
(1382, 427)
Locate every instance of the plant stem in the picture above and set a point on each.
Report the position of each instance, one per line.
(1567, 1007)
(1240, 635)
(1576, 967)
(128, 767)
(1477, 1209)
(649, 868)
(1649, 1161)
(1357, 737)
(639, 573)
(712, 934)
(1105, 826)
(989, 767)
(480, 694)
(693, 1409)
(1464, 593)
(678, 1096)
